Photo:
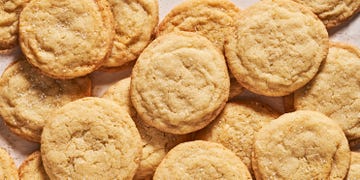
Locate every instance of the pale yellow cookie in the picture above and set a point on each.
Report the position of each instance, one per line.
(9, 15)
(201, 160)
(210, 18)
(236, 125)
(91, 138)
(332, 12)
(301, 145)
(179, 83)
(32, 168)
(66, 39)
(29, 98)
(277, 47)
(135, 22)
(354, 171)
(335, 90)
(154, 142)
(7, 166)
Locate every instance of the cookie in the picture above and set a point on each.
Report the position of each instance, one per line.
(334, 12)
(301, 145)
(235, 127)
(212, 19)
(334, 90)
(154, 142)
(66, 39)
(354, 171)
(135, 22)
(7, 166)
(91, 138)
(9, 15)
(201, 160)
(28, 98)
(277, 47)
(179, 83)
(32, 168)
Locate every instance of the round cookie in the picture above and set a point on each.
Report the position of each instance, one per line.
(236, 125)
(155, 143)
(66, 39)
(332, 12)
(28, 98)
(32, 168)
(91, 138)
(135, 22)
(7, 166)
(201, 160)
(9, 15)
(301, 145)
(335, 89)
(277, 47)
(354, 170)
(212, 19)
(179, 83)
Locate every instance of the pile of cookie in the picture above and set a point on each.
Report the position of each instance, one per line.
(179, 115)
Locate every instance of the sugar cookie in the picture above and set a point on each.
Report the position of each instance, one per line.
(180, 83)
(28, 98)
(301, 145)
(201, 160)
(277, 47)
(91, 138)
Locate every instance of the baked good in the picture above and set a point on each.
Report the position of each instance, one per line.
(334, 90)
(179, 83)
(201, 160)
(32, 168)
(9, 15)
(301, 145)
(212, 19)
(354, 171)
(28, 98)
(236, 125)
(155, 144)
(135, 22)
(66, 39)
(277, 47)
(332, 12)
(91, 138)
(7, 166)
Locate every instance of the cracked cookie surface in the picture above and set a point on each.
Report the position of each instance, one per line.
(334, 91)
(66, 39)
(9, 15)
(135, 22)
(332, 12)
(277, 47)
(180, 83)
(212, 19)
(28, 98)
(155, 143)
(91, 138)
(236, 125)
(301, 145)
(201, 160)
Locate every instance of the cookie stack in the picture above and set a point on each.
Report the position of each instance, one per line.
(180, 114)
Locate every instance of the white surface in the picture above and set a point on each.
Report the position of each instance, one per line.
(20, 148)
